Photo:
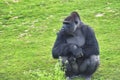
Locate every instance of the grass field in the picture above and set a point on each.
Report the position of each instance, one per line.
(28, 30)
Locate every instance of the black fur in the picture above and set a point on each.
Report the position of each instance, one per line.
(82, 52)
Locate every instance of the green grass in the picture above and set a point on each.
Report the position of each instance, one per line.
(28, 31)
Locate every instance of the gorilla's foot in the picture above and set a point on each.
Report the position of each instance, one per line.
(68, 78)
(88, 78)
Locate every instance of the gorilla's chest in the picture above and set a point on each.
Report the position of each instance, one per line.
(78, 40)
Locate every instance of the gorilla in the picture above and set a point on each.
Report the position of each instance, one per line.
(78, 48)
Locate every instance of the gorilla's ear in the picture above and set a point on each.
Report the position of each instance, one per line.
(76, 16)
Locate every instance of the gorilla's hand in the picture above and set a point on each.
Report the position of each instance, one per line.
(72, 47)
(78, 53)
(72, 59)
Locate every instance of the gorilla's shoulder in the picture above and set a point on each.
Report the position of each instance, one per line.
(86, 27)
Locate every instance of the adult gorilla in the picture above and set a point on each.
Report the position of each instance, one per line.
(76, 44)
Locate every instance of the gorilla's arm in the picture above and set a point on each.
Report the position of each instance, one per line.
(91, 44)
(60, 48)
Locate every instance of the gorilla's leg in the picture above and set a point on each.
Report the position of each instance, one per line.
(84, 65)
(89, 66)
(90, 63)
(94, 63)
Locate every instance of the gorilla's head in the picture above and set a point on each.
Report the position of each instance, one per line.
(71, 23)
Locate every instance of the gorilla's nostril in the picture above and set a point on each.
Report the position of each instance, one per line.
(76, 22)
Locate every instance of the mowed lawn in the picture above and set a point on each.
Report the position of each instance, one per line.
(28, 30)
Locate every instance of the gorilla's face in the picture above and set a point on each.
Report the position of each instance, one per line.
(69, 27)
(71, 23)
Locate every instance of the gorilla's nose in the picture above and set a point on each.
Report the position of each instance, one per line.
(64, 27)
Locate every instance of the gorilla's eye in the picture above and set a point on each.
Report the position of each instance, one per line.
(76, 22)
